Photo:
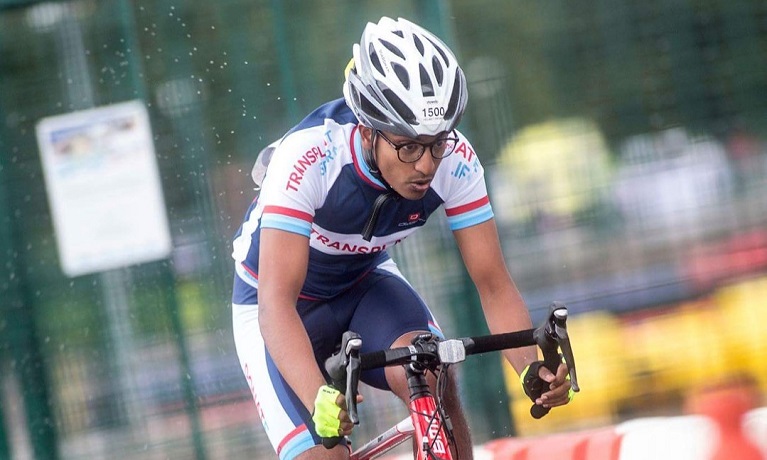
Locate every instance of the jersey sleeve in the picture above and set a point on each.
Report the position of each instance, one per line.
(292, 188)
(465, 191)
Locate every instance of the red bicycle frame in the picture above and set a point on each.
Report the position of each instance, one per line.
(427, 432)
(429, 429)
(425, 425)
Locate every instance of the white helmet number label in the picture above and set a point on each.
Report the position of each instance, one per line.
(433, 114)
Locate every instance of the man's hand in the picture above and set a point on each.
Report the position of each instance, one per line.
(560, 392)
(547, 389)
(330, 416)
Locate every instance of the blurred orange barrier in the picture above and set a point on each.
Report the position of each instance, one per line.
(684, 437)
(508, 449)
(570, 446)
(726, 407)
(603, 444)
(598, 444)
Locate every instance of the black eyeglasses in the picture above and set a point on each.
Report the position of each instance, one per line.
(410, 152)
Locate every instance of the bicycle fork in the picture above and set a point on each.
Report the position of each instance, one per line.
(430, 431)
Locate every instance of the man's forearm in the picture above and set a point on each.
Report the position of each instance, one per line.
(508, 313)
(290, 348)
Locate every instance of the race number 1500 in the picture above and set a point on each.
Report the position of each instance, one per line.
(434, 112)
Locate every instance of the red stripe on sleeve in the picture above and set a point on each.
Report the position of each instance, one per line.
(467, 207)
(288, 212)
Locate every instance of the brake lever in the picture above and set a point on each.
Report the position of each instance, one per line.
(563, 339)
(343, 368)
(352, 381)
(551, 338)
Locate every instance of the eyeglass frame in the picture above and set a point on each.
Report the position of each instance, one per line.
(423, 146)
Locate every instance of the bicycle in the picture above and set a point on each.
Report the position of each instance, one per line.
(428, 422)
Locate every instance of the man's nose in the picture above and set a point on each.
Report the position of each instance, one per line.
(427, 163)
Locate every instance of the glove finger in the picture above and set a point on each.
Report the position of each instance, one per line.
(326, 416)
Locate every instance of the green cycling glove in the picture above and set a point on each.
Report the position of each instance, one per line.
(326, 411)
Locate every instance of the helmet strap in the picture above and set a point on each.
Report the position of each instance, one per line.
(370, 159)
(370, 156)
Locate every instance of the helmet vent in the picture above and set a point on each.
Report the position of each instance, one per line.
(438, 71)
(374, 59)
(401, 73)
(393, 49)
(439, 50)
(418, 44)
(455, 96)
(371, 110)
(399, 106)
(398, 33)
(427, 88)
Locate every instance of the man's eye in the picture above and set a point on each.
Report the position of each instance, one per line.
(410, 148)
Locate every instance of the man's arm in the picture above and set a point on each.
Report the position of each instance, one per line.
(504, 309)
(282, 263)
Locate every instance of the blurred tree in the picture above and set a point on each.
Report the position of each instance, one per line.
(631, 67)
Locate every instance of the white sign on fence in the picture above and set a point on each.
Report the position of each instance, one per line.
(104, 188)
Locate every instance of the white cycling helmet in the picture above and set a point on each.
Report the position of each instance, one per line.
(404, 80)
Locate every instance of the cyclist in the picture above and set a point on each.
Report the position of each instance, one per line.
(355, 177)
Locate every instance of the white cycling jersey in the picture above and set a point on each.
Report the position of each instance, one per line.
(318, 185)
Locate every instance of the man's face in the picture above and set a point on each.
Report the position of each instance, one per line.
(410, 180)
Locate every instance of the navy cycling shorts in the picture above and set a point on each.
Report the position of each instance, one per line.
(381, 308)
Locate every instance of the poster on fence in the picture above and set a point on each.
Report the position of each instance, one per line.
(104, 188)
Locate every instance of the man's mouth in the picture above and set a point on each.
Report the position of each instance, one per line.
(420, 185)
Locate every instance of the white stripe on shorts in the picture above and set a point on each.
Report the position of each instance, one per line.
(280, 429)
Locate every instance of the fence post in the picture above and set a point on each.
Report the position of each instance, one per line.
(7, 271)
(18, 329)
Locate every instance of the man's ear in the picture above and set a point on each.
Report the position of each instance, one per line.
(366, 133)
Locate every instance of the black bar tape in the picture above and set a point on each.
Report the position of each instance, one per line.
(496, 342)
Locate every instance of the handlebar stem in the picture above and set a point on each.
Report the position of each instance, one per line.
(416, 381)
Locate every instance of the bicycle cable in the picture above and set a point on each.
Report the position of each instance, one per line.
(443, 379)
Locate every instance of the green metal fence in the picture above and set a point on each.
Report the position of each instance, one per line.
(656, 111)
